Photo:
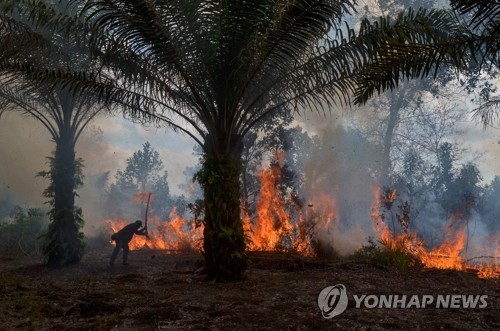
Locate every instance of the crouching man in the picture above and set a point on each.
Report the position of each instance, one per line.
(123, 237)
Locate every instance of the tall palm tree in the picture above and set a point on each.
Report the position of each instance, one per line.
(213, 69)
(65, 114)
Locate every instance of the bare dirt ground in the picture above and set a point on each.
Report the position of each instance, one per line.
(159, 291)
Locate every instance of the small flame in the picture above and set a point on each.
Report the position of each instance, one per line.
(379, 226)
(488, 271)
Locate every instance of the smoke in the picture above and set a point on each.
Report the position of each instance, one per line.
(104, 147)
(340, 174)
(340, 171)
(343, 168)
(485, 140)
(24, 146)
(482, 242)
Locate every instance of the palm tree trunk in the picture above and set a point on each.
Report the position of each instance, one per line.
(224, 242)
(65, 241)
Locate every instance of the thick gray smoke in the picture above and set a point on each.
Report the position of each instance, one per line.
(340, 176)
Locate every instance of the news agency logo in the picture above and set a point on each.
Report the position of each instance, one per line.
(332, 301)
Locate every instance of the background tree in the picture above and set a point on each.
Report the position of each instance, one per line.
(419, 114)
(143, 173)
(445, 173)
(142, 168)
(467, 191)
(393, 105)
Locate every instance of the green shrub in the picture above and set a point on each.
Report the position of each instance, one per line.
(391, 253)
(20, 233)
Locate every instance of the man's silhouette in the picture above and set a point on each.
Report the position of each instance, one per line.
(123, 237)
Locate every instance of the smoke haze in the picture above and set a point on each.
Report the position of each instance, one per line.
(104, 147)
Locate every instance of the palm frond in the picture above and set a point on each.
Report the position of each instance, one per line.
(482, 12)
(218, 67)
(488, 113)
(417, 45)
(483, 18)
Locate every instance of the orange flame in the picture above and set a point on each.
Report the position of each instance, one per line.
(275, 229)
(379, 226)
(488, 271)
(273, 222)
(173, 235)
(449, 255)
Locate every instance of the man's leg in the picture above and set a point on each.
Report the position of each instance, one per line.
(125, 253)
(118, 246)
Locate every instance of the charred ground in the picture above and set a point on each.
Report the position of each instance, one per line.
(162, 292)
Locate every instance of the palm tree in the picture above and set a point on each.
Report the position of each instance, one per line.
(214, 69)
(65, 115)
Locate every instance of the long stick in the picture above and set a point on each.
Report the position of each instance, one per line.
(146, 216)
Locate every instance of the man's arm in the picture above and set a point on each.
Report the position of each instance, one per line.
(141, 232)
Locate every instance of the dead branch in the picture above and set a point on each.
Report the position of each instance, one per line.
(483, 257)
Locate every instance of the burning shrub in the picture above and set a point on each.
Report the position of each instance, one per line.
(174, 234)
(388, 253)
(398, 254)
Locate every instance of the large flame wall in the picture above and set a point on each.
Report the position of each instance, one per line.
(282, 226)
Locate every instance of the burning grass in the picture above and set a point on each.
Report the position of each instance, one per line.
(450, 254)
(175, 235)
